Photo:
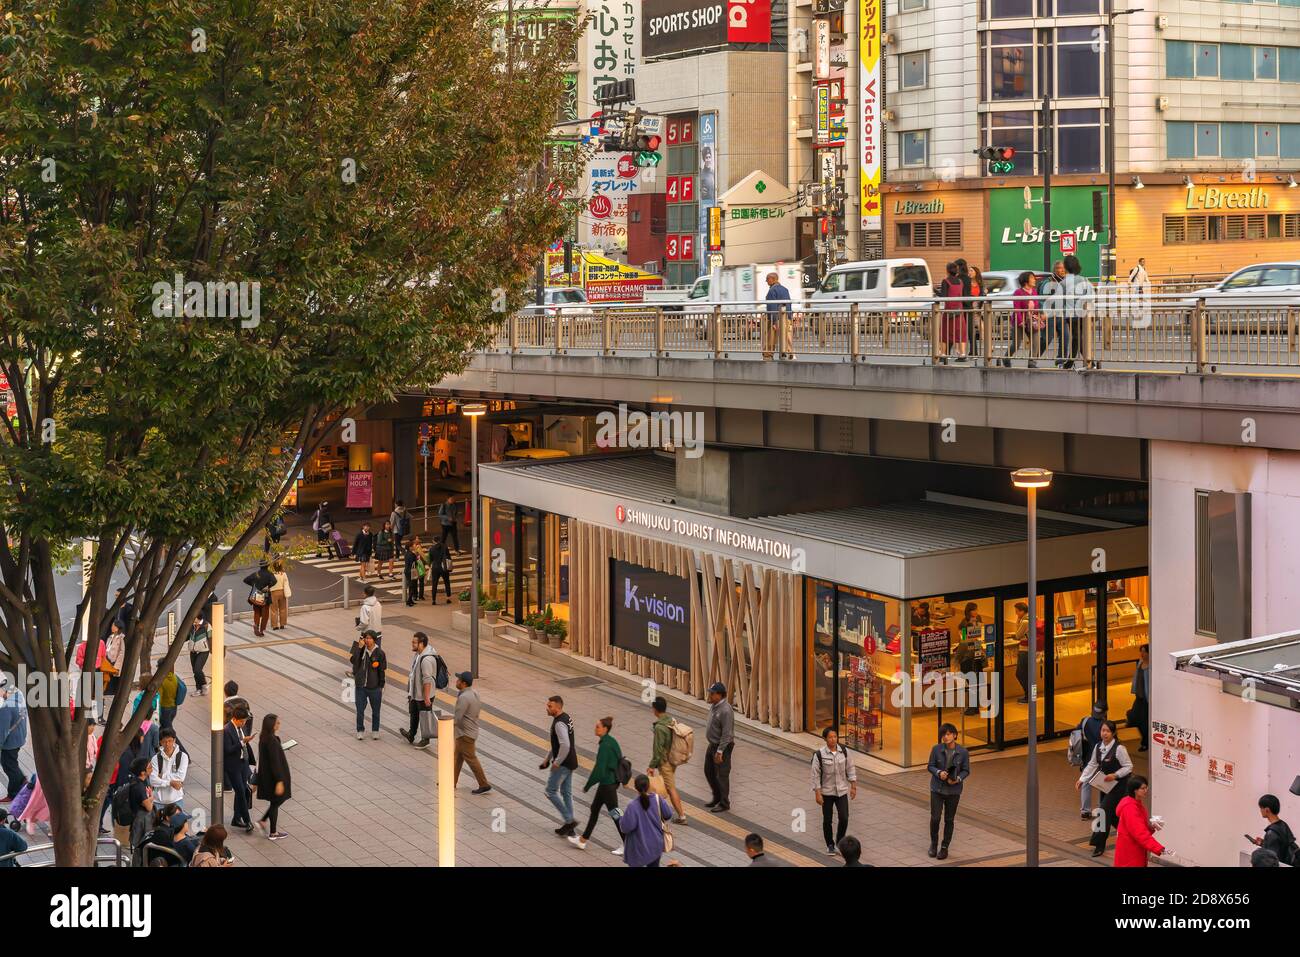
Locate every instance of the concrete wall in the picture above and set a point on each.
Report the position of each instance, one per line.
(1262, 740)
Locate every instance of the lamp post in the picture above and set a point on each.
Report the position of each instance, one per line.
(473, 410)
(1031, 480)
(217, 647)
(1110, 134)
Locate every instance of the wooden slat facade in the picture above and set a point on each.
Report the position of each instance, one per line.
(745, 622)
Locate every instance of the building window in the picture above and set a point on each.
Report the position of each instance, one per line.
(1237, 140)
(1010, 65)
(1207, 60)
(1266, 63)
(1182, 230)
(913, 70)
(909, 5)
(1078, 62)
(1180, 60)
(1018, 129)
(1009, 9)
(1180, 140)
(1236, 62)
(1207, 139)
(914, 147)
(928, 234)
(1205, 624)
(1076, 8)
(1288, 138)
(1288, 64)
(1078, 141)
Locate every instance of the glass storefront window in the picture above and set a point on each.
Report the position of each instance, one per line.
(498, 552)
(1016, 665)
(1075, 662)
(1078, 63)
(555, 587)
(953, 648)
(1128, 628)
(1011, 64)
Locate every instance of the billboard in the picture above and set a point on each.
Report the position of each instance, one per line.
(1012, 246)
(681, 26)
(871, 87)
(650, 613)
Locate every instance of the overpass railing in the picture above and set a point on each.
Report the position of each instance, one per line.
(1209, 335)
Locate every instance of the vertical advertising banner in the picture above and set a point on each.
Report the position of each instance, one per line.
(870, 88)
(708, 185)
(611, 46)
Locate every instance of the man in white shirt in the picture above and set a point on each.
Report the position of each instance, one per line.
(167, 771)
(371, 617)
(835, 783)
(1140, 294)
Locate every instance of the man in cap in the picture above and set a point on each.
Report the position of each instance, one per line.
(1090, 727)
(721, 737)
(467, 709)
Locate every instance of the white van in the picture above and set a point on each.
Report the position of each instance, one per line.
(880, 281)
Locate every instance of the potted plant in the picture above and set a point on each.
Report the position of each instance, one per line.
(462, 599)
(492, 610)
(556, 632)
(534, 625)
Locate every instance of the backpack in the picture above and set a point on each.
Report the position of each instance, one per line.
(404, 524)
(122, 815)
(623, 770)
(683, 744)
(440, 678)
(181, 691)
(1290, 852)
(1075, 753)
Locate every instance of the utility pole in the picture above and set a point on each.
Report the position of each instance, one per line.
(1048, 159)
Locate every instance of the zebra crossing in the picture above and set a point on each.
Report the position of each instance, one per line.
(389, 588)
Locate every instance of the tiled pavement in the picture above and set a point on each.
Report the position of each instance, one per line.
(375, 802)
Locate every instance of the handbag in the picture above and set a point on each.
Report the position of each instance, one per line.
(257, 596)
(427, 728)
(668, 834)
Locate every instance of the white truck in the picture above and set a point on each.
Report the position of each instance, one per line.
(744, 284)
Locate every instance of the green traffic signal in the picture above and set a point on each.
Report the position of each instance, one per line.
(648, 158)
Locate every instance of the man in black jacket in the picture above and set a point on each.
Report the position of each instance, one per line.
(369, 665)
(1278, 836)
(440, 567)
(235, 769)
(949, 767)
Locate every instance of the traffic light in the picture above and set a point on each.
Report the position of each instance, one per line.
(1001, 159)
(647, 149)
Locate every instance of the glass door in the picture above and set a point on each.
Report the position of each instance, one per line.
(529, 562)
(1074, 666)
(1016, 669)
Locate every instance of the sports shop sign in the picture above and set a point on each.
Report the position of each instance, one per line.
(707, 533)
(678, 26)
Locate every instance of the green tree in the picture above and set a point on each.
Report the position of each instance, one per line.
(369, 170)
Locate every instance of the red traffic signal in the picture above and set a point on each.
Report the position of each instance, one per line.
(1007, 153)
(648, 143)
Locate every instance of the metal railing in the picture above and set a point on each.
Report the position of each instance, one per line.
(1115, 327)
(114, 857)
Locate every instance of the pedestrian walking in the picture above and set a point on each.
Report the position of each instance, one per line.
(974, 310)
(440, 565)
(323, 524)
(235, 768)
(369, 670)
(834, 784)
(778, 305)
(150, 727)
(10, 841)
(1088, 735)
(259, 595)
(171, 695)
(167, 771)
(1140, 294)
(561, 759)
(385, 551)
(605, 776)
(466, 731)
(949, 767)
(447, 521)
(1108, 766)
(110, 666)
(667, 733)
(953, 331)
(132, 809)
(1076, 295)
(419, 689)
(370, 616)
(756, 853)
(122, 773)
(275, 530)
(645, 835)
(1022, 650)
(273, 780)
(416, 567)
(400, 519)
(13, 735)
(200, 648)
(280, 595)
(363, 549)
(1139, 716)
(1278, 836)
(721, 737)
(1027, 324)
(1135, 832)
(1053, 299)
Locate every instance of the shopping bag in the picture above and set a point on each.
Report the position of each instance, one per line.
(428, 726)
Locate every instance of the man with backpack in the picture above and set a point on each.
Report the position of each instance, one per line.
(834, 783)
(447, 519)
(1278, 836)
(132, 806)
(1083, 741)
(167, 770)
(171, 695)
(427, 670)
(672, 746)
(401, 522)
(467, 709)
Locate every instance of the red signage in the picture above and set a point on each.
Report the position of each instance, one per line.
(361, 490)
(686, 186)
(749, 21)
(1067, 243)
(674, 131)
(626, 166)
(670, 249)
(687, 247)
(672, 189)
(600, 206)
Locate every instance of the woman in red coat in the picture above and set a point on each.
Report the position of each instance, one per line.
(1134, 836)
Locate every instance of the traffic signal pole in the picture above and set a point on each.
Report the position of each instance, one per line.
(1046, 154)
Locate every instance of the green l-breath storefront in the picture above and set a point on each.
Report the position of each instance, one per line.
(1011, 246)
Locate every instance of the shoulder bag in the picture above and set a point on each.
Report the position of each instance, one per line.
(668, 835)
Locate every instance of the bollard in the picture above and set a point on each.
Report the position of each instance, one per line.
(229, 601)
(345, 592)
(446, 790)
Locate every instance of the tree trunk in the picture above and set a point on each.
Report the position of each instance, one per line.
(73, 828)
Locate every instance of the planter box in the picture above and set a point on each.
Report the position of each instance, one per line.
(491, 616)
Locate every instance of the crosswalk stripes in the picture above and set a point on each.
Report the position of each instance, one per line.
(389, 588)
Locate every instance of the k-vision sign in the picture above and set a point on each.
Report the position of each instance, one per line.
(650, 613)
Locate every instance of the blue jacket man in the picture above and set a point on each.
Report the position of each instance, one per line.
(778, 300)
(13, 735)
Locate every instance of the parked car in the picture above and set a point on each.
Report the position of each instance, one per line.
(1003, 283)
(1260, 284)
(882, 283)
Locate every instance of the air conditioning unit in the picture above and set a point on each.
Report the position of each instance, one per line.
(1162, 104)
(1162, 22)
(888, 116)
(888, 40)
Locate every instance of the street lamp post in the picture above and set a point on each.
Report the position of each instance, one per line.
(1110, 263)
(1032, 479)
(473, 410)
(217, 649)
